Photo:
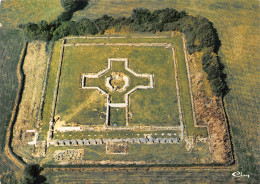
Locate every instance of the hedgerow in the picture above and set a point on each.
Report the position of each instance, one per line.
(199, 32)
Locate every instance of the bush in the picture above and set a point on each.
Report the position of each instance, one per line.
(65, 16)
(37, 31)
(74, 5)
(86, 26)
(218, 86)
(121, 22)
(104, 23)
(65, 29)
(212, 66)
(32, 174)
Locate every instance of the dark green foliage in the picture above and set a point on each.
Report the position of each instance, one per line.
(65, 16)
(143, 20)
(86, 26)
(82, 27)
(104, 23)
(32, 174)
(65, 29)
(120, 22)
(212, 66)
(38, 31)
(218, 86)
(74, 5)
(199, 32)
(166, 15)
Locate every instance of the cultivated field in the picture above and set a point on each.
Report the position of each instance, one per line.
(15, 12)
(11, 44)
(9, 57)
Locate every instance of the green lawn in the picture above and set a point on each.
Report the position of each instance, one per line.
(157, 106)
(117, 116)
(50, 91)
(185, 92)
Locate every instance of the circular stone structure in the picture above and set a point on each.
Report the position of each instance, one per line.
(117, 82)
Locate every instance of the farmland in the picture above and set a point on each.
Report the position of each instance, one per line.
(237, 25)
(8, 62)
(9, 58)
(15, 12)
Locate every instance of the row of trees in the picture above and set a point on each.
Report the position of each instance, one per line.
(199, 32)
(212, 66)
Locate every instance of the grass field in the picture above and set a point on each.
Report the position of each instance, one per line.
(15, 12)
(156, 109)
(50, 91)
(152, 154)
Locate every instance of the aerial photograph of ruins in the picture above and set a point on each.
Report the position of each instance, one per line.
(129, 91)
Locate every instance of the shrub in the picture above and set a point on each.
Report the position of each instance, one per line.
(86, 26)
(104, 23)
(65, 29)
(218, 86)
(74, 5)
(65, 16)
(37, 31)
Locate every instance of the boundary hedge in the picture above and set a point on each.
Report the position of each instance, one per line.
(200, 34)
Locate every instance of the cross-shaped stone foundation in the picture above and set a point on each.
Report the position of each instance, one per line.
(117, 82)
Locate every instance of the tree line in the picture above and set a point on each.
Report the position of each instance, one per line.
(199, 32)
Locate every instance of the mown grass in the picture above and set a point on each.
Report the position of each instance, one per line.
(191, 130)
(156, 106)
(47, 109)
(117, 116)
(116, 67)
(140, 175)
